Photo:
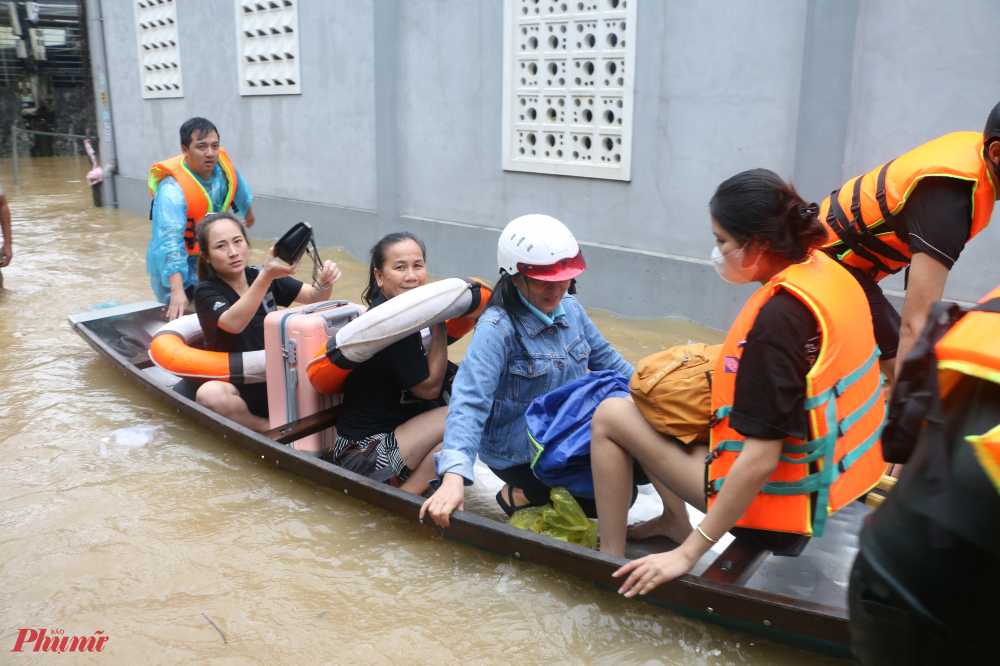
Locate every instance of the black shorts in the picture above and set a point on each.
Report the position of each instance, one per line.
(885, 319)
(255, 395)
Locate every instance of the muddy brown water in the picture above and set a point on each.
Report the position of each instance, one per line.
(138, 542)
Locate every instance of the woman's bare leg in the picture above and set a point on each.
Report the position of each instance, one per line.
(673, 523)
(618, 432)
(420, 479)
(417, 440)
(223, 399)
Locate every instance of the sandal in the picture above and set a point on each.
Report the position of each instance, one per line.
(508, 506)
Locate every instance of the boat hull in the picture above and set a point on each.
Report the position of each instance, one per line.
(805, 625)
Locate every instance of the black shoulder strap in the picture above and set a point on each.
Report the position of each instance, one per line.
(916, 393)
(838, 222)
(916, 408)
(992, 305)
(865, 236)
(880, 192)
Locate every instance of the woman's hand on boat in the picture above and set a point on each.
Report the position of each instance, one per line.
(275, 268)
(648, 572)
(447, 498)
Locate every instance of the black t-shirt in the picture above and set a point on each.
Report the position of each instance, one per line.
(937, 218)
(377, 398)
(781, 348)
(212, 297)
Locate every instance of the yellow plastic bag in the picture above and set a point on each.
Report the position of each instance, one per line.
(563, 520)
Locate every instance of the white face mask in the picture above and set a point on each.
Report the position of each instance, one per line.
(731, 268)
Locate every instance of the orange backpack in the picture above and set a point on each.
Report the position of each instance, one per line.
(673, 390)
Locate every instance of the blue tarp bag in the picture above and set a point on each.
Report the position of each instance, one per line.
(559, 429)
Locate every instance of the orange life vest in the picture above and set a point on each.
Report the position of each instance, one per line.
(972, 347)
(198, 202)
(842, 457)
(856, 213)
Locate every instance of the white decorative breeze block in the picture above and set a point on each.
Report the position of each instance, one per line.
(267, 42)
(159, 48)
(568, 86)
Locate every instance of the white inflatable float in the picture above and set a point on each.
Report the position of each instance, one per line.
(457, 301)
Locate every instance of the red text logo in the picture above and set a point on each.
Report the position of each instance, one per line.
(57, 642)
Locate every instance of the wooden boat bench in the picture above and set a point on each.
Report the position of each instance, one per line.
(737, 563)
(307, 425)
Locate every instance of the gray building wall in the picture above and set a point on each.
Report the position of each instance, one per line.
(399, 126)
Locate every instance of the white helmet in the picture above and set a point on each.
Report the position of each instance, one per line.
(540, 247)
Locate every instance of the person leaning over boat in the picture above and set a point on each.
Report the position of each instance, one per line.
(392, 419)
(185, 188)
(232, 299)
(800, 355)
(926, 580)
(533, 338)
(916, 212)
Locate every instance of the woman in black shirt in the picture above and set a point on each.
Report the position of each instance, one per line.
(232, 299)
(761, 228)
(393, 418)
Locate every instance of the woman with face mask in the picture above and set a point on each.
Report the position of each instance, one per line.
(532, 338)
(796, 399)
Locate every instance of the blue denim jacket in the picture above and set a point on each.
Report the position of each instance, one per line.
(499, 377)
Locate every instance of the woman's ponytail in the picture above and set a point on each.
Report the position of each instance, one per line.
(757, 206)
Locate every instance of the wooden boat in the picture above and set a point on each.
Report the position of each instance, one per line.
(722, 594)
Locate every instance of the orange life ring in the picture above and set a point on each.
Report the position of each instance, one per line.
(173, 350)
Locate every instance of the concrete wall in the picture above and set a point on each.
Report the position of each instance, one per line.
(399, 123)
(922, 69)
(318, 146)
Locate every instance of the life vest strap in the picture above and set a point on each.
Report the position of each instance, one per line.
(837, 220)
(838, 389)
(880, 192)
(824, 447)
(867, 239)
(848, 421)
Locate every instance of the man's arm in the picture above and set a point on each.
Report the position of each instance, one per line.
(8, 241)
(169, 223)
(243, 199)
(925, 286)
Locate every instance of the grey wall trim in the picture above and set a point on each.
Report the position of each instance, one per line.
(825, 96)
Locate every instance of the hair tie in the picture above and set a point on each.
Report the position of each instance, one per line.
(806, 211)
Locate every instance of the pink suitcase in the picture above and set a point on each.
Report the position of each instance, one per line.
(291, 338)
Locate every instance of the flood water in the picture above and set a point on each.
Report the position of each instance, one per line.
(139, 542)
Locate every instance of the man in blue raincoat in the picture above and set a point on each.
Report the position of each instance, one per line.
(186, 188)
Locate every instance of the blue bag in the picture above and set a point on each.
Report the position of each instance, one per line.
(559, 429)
